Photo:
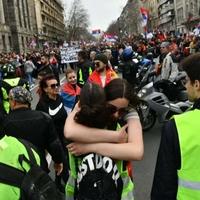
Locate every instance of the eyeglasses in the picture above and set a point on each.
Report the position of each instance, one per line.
(113, 109)
(53, 86)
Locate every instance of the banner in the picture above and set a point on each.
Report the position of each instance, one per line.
(69, 54)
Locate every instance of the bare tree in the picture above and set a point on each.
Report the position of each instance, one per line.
(77, 21)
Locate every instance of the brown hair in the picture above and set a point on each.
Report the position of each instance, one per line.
(69, 71)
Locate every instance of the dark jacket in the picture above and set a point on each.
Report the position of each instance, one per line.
(36, 127)
(165, 182)
(54, 108)
(129, 70)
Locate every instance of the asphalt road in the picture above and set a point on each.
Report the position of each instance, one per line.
(142, 170)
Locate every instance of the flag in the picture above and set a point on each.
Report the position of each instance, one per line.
(96, 32)
(144, 13)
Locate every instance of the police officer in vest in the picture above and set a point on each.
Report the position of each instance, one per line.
(9, 81)
(177, 169)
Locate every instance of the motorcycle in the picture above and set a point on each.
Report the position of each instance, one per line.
(156, 103)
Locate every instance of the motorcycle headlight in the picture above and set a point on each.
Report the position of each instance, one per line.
(141, 93)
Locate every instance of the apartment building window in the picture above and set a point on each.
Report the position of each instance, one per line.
(180, 14)
(22, 41)
(43, 18)
(24, 15)
(27, 41)
(28, 14)
(19, 13)
(10, 41)
(196, 6)
(191, 7)
(4, 41)
(187, 10)
(44, 29)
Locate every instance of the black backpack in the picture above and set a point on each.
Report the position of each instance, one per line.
(103, 182)
(34, 184)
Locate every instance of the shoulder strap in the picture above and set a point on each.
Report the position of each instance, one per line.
(10, 175)
(13, 176)
(30, 153)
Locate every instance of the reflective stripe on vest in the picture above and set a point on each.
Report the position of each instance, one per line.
(189, 184)
(81, 81)
(90, 70)
(70, 186)
(188, 130)
(128, 185)
(13, 81)
(6, 104)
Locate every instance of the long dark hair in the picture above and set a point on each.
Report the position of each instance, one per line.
(120, 88)
(93, 104)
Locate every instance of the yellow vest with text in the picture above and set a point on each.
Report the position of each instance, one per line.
(188, 128)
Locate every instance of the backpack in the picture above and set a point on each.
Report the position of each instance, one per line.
(34, 184)
(97, 178)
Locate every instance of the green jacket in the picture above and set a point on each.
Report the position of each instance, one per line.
(189, 139)
(10, 149)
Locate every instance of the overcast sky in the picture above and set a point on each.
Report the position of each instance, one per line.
(101, 12)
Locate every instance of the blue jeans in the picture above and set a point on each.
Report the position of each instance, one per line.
(30, 78)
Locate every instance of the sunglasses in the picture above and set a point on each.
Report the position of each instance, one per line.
(113, 109)
(53, 86)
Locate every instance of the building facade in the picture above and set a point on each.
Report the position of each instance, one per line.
(5, 33)
(50, 21)
(129, 18)
(17, 23)
(166, 15)
(187, 14)
(25, 24)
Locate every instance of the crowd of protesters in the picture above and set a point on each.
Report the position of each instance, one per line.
(28, 64)
(57, 114)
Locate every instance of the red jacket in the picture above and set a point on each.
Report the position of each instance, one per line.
(95, 77)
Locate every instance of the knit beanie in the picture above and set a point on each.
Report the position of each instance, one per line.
(101, 57)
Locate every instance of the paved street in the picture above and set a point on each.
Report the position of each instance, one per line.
(143, 170)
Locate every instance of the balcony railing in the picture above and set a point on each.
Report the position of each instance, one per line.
(166, 9)
(165, 20)
(162, 2)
